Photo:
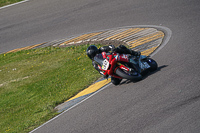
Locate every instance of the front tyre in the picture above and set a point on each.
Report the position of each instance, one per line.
(128, 76)
(115, 81)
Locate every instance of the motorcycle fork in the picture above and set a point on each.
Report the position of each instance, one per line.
(112, 62)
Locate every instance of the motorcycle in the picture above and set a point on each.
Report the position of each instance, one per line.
(124, 66)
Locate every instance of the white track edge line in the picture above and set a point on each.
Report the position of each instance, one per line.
(13, 4)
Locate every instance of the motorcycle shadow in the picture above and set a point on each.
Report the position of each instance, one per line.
(145, 76)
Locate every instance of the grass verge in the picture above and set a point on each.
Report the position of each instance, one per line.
(33, 82)
(8, 2)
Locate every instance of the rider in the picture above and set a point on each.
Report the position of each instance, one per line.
(92, 51)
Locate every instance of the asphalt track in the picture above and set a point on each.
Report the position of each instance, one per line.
(165, 101)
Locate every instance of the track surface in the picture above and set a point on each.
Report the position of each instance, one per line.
(166, 101)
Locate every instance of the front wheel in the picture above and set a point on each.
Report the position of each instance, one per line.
(128, 76)
(115, 81)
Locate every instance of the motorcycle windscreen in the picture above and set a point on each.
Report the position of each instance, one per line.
(99, 59)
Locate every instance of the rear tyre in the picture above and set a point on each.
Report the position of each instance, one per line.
(115, 81)
(153, 65)
(128, 76)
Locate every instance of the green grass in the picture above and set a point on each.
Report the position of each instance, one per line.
(33, 82)
(7, 2)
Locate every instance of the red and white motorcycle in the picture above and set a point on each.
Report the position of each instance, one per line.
(124, 66)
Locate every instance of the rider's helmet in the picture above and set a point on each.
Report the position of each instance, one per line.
(92, 51)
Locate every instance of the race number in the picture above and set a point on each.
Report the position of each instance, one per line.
(105, 64)
(144, 65)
